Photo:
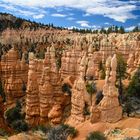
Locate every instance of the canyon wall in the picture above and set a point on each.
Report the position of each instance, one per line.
(40, 81)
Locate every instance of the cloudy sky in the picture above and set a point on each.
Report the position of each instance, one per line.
(77, 13)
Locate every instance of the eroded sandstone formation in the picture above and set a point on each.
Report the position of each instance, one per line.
(55, 114)
(32, 99)
(71, 62)
(14, 75)
(46, 96)
(109, 109)
(44, 91)
(78, 92)
(80, 60)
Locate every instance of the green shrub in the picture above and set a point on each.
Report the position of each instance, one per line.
(3, 132)
(99, 97)
(120, 75)
(23, 87)
(58, 63)
(19, 125)
(91, 88)
(66, 88)
(62, 132)
(70, 130)
(116, 131)
(96, 136)
(102, 70)
(42, 128)
(86, 110)
(15, 118)
(40, 54)
(2, 93)
(102, 74)
(12, 115)
(127, 108)
(134, 86)
(100, 67)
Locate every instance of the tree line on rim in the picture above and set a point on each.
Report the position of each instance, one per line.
(111, 29)
(32, 25)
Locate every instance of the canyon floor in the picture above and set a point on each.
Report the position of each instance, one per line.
(129, 126)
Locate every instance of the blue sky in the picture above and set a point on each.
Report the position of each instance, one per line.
(92, 14)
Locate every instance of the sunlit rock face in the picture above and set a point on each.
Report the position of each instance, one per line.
(78, 92)
(32, 99)
(14, 75)
(109, 109)
(46, 96)
(55, 114)
(44, 91)
(70, 63)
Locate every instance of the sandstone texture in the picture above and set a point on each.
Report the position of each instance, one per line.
(79, 90)
(36, 64)
(108, 109)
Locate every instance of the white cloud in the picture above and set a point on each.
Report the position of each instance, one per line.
(8, 7)
(96, 27)
(130, 28)
(70, 18)
(58, 15)
(71, 14)
(26, 13)
(59, 9)
(71, 27)
(115, 9)
(119, 13)
(86, 15)
(107, 23)
(17, 10)
(38, 16)
(86, 24)
(83, 23)
(33, 12)
(106, 28)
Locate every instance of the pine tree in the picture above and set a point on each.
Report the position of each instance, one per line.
(121, 30)
(116, 29)
(121, 73)
(109, 30)
(134, 86)
(91, 89)
(136, 29)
